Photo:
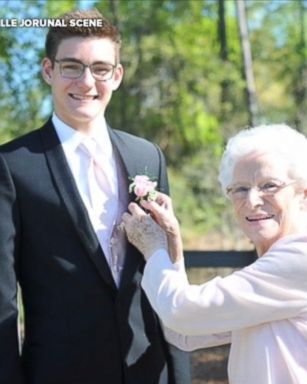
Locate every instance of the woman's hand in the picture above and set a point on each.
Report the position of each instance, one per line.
(161, 210)
(143, 232)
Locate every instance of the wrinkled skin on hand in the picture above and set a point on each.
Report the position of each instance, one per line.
(158, 230)
(143, 232)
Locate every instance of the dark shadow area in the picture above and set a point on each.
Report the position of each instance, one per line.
(209, 366)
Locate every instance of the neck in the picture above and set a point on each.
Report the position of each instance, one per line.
(86, 127)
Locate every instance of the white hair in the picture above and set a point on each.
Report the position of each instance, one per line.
(279, 139)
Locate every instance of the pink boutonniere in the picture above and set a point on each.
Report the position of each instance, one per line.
(143, 188)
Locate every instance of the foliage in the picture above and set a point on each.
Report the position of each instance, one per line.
(23, 106)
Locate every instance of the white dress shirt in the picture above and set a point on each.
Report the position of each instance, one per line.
(261, 310)
(78, 161)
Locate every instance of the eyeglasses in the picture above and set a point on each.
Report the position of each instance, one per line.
(267, 188)
(74, 69)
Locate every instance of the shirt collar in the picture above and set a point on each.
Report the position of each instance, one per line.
(70, 138)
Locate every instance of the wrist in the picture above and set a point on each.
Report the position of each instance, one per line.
(175, 247)
(153, 251)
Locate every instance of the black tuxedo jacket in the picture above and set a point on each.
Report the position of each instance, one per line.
(79, 327)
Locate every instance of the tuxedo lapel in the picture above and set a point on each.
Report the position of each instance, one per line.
(67, 188)
(133, 258)
(126, 154)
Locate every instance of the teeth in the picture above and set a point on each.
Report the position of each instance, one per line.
(259, 218)
(80, 97)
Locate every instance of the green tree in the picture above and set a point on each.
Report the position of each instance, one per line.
(25, 101)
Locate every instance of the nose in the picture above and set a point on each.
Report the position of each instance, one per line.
(254, 197)
(87, 79)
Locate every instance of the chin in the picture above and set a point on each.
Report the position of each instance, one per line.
(265, 242)
(262, 239)
(86, 113)
(85, 116)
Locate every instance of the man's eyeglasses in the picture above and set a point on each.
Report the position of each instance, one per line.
(267, 188)
(74, 69)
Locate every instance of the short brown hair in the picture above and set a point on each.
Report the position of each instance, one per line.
(57, 34)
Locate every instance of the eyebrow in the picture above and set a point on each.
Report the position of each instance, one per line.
(80, 62)
(264, 180)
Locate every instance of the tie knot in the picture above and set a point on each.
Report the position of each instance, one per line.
(89, 146)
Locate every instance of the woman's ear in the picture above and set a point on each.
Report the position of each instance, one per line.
(304, 198)
(47, 70)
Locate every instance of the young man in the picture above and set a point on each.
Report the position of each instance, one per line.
(63, 189)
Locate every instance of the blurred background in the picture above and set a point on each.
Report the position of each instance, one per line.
(196, 72)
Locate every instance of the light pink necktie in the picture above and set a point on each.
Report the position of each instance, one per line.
(100, 188)
(106, 208)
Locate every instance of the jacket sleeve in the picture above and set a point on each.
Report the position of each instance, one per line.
(192, 343)
(10, 362)
(178, 359)
(271, 289)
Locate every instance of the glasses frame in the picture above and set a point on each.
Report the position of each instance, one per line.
(84, 66)
(260, 191)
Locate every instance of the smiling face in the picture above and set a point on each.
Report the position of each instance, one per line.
(274, 211)
(81, 102)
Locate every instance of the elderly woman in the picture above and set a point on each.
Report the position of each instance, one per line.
(262, 309)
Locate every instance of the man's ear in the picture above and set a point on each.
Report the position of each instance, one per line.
(117, 77)
(47, 70)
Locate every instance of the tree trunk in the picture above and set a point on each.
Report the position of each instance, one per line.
(300, 85)
(247, 64)
(114, 9)
(223, 49)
